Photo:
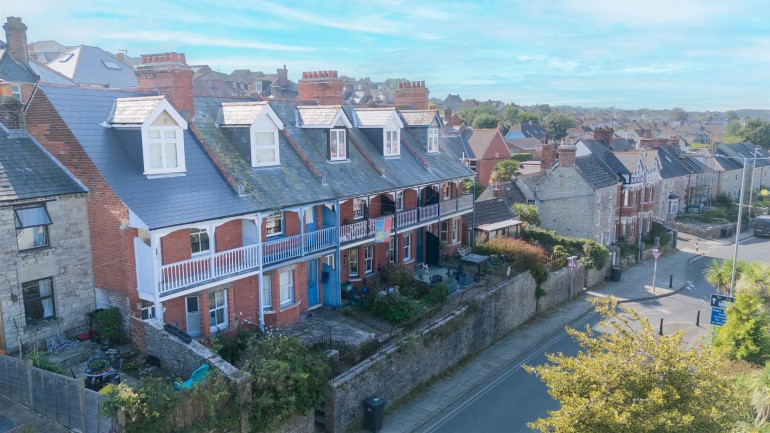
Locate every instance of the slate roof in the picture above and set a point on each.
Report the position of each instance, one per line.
(372, 117)
(133, 110)
(201, 194)
(92, 65)
(295, 183)
(28, 171)
(509, 194)
(535, 131)
(457, 143)
(240, 113)
(737, 151)
(418, 117)
(480, 140)
(13, 71)
(670, 165)
(318, 114)
(603, 151)
(524, 143)
(48, 75)
(491, 211)
(594, 172)
(514, 134)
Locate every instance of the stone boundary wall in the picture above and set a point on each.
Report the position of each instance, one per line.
(702, 231)
(415, 360)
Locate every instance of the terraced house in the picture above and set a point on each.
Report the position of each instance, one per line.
(210, 212)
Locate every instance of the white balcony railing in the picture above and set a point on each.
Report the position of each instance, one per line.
(281, 249)
(428, 212)
(406, 218)
(321, 239)
(465, 202)
(449, 206)
(356, 231)
(201, 269)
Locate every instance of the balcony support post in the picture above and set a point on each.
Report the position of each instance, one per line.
(156, 272)
(260, 277)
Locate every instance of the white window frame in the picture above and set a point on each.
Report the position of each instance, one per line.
(444, 231)
(329, 260)
(407, 247)
(162, 141)
(391, 142)
(199, 234)
(286, 279)
(359, 208)
(267, 292)
(255, 148)
(353, 262)
(432, 139)
(455, 230)
(341, 145)
(399, 201)
(217, 306)
(392, 255)
(369, 259)
(16, 91)
(673, 206)
(270, 219)
(447, 191)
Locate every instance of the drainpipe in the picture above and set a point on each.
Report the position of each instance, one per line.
(260, 277)
(473, 217)
(337, 253)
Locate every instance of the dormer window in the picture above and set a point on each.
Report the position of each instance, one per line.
(165, 147)
(432, 139)
(338, 145)
(264, 149)
(391, 144)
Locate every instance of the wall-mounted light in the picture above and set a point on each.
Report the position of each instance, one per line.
(14, 298)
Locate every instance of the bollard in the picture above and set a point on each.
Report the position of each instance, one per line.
(661, 327)
(697, 319)
(671, 281)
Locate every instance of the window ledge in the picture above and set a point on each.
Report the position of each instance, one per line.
(355, 279)
(41, 323)
(162, 175)
(288, 306)
(339, 161)
(32, 251)
(406, 261)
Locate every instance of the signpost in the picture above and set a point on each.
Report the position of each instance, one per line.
(655, 254)
(718, 305)
(571, 264)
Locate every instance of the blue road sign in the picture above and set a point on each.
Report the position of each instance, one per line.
(718, 316)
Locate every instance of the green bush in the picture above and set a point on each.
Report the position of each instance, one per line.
(592, 254)
(515, 250)
(43, 362)
(437, 294)
(109, 324)
(540, 273)
(392, 308)
(147, 407)
(287, 379)
(396, 275)
(660, 231)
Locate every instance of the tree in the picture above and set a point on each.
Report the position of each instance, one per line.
(543, 109)
(528, 117)
(731, 131)
(719, 274)
(485, 121)
(510, 115)
(527, 213)
(392, 83)
(745, 335)
(757, 132)
(677, 115)
(629, 380)
(558, 124)
(504, 171)
(731, 115)
(468, 115)
(758, 386)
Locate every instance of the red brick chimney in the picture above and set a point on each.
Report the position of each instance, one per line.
(567, 155)
(169, 74)
(605, 134)
(16, 38)
(412, 93)
(283, 74)
(11, 109)
(323, 86)
(546, 159)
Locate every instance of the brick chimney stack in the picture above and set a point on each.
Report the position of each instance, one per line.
(11, 109)
(170, 75)
(546, 160)
(605, 134)
(16, 38)
(567, 155)
(412, 93)
(326, 87)
(283, 74)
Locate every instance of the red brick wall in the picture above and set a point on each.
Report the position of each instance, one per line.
(412, 93)
(410, 199)
(171, 76)
(322, 86)
(175, 246)
(375, 207)
(111, 246)
(346, 212)
(176, 312)
(280, 318)
(290, 226)
(229, 235)
(246, 299)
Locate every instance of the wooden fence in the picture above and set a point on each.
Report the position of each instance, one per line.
(56, 397)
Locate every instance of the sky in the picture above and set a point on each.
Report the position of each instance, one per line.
(695, 54)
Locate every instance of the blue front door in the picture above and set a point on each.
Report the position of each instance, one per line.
(312, 283)
(331, 281)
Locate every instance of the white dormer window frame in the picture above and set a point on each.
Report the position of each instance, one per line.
(264, 141)
(432, 139)
(338, 144)
(391, 142)
(163, 141)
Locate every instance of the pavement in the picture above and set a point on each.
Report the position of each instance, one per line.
(635, 285)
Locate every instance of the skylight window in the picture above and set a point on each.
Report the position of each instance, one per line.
(65, 58)
(110, 65)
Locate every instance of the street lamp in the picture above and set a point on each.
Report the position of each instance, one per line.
(738, 226)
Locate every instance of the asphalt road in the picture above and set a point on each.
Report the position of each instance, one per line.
(511, 399)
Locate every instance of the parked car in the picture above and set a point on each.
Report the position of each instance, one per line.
(762, 228)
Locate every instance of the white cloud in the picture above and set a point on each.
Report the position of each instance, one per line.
(196, 39)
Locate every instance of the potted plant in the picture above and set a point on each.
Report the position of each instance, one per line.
(97, 364)
(109, 325)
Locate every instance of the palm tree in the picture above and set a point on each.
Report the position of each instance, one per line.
(759, 385)
(754, 275)
(718, 274)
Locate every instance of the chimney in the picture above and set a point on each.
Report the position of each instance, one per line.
(11, 109)
(283, 74)
(546, 159)
(16, 38)
(169, 74)
(496, 191)
(605, 134)
(323, 86)
(412, 93)
(567, 155)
